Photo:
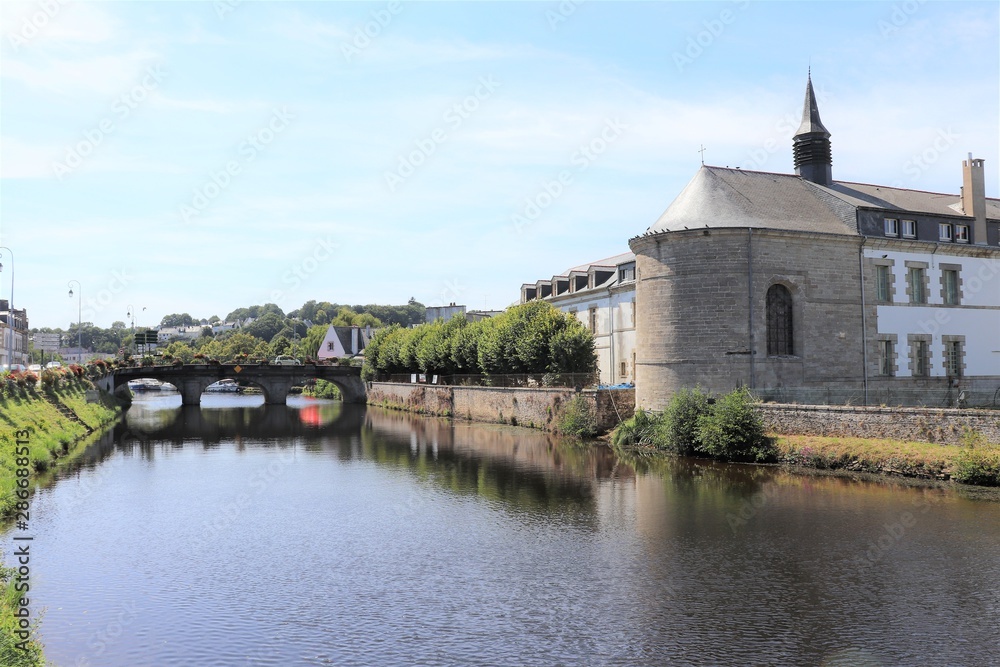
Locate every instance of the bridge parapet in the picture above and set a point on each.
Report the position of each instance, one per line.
(275, 381)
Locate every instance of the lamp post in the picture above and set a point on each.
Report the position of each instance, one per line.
(79, 315)
(131, 314)
(10, 318)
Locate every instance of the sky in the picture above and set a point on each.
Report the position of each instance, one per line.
(205, 156)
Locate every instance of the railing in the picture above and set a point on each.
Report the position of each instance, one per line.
(514, 380)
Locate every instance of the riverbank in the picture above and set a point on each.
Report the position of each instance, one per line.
(40, 428)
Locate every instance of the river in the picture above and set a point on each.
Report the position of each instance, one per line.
(326, 534)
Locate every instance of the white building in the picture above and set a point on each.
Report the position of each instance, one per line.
(602, 296)
(342, 342)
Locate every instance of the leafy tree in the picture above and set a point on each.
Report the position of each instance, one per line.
(314, 337)
(176, 320)
(266, 326)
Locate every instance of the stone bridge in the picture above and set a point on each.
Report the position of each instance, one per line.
(275, 381)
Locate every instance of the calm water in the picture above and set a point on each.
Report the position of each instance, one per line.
(322, 534)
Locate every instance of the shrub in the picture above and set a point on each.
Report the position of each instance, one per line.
(324, 389)
(578, 418)
(978, 462)
(642, 428)
(734, 431)
(680, 420)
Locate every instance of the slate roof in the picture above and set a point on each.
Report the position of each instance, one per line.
(720, 197)
(810, 114)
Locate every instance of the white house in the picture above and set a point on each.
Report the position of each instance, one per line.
(344, 342)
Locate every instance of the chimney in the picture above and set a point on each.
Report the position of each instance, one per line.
(974, 196)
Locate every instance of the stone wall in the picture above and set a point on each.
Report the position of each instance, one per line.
(535, 407)
(696, 305)
(918, 424)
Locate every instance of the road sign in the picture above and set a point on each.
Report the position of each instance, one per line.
(48, 342)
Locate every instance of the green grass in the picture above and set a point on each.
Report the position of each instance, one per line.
(50, 436)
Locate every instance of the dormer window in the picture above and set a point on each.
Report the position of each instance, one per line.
(909, 229)
(944, 232)
(626, 275)
(961, 233)
(891, 227)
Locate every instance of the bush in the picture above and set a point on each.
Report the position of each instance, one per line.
(324, 389)
(680, 420)
(642, 428)
(978, 462)
(578, 418)
(734, 431)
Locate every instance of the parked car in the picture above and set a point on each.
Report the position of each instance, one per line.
(21, 368)
(286, 360)
(53, 364)
(35, 368)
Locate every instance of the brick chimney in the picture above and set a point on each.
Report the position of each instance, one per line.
(974, 196)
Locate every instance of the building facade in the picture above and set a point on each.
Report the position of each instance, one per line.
(13, 334)
(602, 296)
(807, 289)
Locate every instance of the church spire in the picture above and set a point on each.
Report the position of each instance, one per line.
(811, 143)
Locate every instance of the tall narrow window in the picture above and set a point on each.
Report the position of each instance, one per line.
(921, 358)
(882, 283)
(886, 358)
(779, 321)
(891, 227)
(593, 320)
(916, 279)
(944, 231)
(953, 357)
(961, 233)
(910, 229)
(949, 280)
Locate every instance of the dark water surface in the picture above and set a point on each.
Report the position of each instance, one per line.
(324, 534)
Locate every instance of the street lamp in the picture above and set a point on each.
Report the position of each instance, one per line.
(131, 314)
(10, 318)
(79, 315)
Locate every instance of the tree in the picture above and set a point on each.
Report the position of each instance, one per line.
(176, 320)
(266, 326)
(314, 337)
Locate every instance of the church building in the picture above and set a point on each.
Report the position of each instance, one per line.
(807, 289)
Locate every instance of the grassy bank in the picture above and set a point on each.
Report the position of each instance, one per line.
(38, 427)
(729, 428)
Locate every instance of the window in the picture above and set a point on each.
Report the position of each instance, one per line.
(910, 229)
(883, 283)
(949, 287)
(915, 277)
(953, 358)
(624, 369)
(891, 227)
(886, 358)
(633, 312)
(626, 275)
(779, 321)
(329, 347)
(921, 358)
(593, 320)
(961, 233)
(944, 231)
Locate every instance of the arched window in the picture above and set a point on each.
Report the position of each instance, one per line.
(779, 321)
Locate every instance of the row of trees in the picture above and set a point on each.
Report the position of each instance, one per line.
(533, 338)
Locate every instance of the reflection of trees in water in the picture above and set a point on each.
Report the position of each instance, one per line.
(516, 467)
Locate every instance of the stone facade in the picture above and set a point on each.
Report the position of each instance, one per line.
(916, 424)
(535, 408)
(702, 312)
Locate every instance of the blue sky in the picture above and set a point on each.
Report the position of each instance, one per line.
(205, 156)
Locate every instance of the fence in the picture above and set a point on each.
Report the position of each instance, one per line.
(580, 380)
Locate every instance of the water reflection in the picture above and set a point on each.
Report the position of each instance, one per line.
(319, 533)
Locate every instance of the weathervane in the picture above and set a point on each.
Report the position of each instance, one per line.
(702, 151)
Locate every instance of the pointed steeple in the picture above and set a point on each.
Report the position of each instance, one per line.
(811, 143)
